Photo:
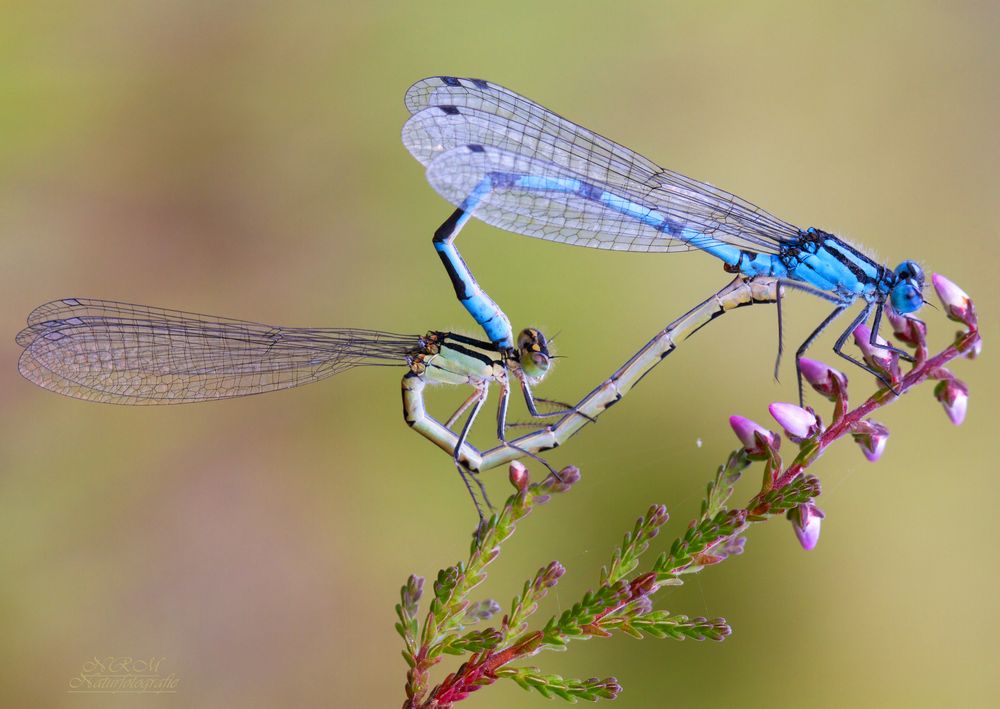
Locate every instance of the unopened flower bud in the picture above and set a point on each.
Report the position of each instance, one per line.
(876, 354)
(605, 688)
(570, 475)
(954, 397)
(798, 423)
(748, 432)
(550, 576)
(821, 377)
(956, 301)
(518, 475)
(806, 521)
(871, 437)
(566, 478)
(898, 322)
(732, 546)
(909, 330)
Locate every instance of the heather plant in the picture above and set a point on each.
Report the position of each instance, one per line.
(494, 645)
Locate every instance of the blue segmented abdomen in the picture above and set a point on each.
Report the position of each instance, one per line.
(480, 306)
(539, 199)
(508, 196)
(531, 197)
(555, 180)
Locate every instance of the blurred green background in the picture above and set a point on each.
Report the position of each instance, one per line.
(243, 159)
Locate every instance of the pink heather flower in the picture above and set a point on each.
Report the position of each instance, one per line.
(877, 357)
(908, 330)
(732, 546)
(806, 521)
(518, 475)
(566, 479)
(871, 437)
(798, 423)
(745, 430)
(956, 301)
(821, 377)
(898, 322)
(954, 397)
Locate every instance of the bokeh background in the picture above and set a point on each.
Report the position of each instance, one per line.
(243, 158)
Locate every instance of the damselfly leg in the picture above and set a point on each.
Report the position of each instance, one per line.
(502, 431)
(476, 401)
(838, 346)
(873, 338)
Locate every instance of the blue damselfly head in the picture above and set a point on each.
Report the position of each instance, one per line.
(907, 295)
(533, 353)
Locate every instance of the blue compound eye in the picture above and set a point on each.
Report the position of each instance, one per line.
(910, 271)
(906, 297)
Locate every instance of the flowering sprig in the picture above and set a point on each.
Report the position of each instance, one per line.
(622, 601)
(804, 427)
(449, 613)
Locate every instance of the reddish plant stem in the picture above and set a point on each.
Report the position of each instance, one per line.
(924, 369)
(417, 677)
(457, 686)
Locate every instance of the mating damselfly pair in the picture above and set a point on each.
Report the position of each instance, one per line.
(506, 160)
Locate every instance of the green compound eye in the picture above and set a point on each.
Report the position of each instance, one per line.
(533, 351)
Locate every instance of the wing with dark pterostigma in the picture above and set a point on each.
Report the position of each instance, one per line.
(452, 113)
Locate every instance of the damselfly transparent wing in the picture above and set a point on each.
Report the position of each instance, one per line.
(450, 112)
(134, 354)
(562, 215)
